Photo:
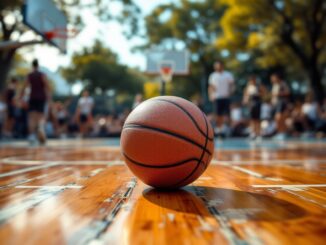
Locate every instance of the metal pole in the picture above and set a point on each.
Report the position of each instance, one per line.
(163, 87)
(16, 44)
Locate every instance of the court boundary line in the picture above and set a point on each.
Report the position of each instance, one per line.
(267, 162)
(49, 187)
(15, 161)
(285, 186)
(25, 170)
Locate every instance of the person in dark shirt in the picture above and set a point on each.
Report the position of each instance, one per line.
(10, 95)
(280, 99)
(252, 98)
(39, 96)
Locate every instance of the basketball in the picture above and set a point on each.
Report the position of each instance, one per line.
(167, 142)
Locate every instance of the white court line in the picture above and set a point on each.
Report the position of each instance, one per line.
(49, 187)
(25, 170)
(249, 172)
(267, 162)
(255, 174)
(15, 161)
(289, 186)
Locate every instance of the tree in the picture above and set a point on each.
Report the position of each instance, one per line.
(289, 33)
(11, 27)
(98, 68)
(189, 24)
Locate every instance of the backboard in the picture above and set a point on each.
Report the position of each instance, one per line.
(43, 16)
(177, 60)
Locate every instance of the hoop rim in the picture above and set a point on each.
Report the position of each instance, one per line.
(61, 33)
(166, 73)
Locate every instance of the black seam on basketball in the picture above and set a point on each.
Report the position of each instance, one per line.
(139, 126)
(169, 165)
(200, 159)
(189, 115)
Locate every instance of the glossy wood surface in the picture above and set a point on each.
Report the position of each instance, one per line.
(81, 192)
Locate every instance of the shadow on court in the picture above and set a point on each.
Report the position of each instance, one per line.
(226, 203)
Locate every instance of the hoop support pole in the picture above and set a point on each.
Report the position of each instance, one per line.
(16, 44)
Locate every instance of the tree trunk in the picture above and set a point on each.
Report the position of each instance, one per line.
(315, 79)
(6, 58)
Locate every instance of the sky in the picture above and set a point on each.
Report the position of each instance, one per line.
(110, 33)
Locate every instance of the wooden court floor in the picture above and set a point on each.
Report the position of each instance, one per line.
(80, 192)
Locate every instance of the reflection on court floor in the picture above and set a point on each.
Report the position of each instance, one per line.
(80, 192)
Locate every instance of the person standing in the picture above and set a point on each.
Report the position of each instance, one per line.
(280, 99)
(138, 99)
(221, 87)
(10, 96)
(84, 112)
(39, 96)
(252, 97)
(311, 113)
(3, 110)
(61, 116)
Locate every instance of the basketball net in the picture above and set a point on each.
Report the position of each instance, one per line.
(166, 73)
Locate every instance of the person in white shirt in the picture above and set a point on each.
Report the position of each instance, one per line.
(84, 112)
(221, 87)
(311, 112)
(266, 111)
(238, 122)
(61, 115)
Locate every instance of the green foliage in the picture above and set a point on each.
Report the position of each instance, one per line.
(190, 85)
(193, 25)
(11, 26)
(287, 33)
(6, 5)
(98, 68)
(260, 36)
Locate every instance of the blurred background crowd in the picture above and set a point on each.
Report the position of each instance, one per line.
(274, 55)
(261, 116)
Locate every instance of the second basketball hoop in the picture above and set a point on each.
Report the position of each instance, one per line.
(166, 72)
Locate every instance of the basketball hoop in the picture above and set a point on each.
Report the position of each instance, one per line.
(61, 33)
(166, 73)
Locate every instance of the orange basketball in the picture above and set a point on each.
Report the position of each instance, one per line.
(167, 142)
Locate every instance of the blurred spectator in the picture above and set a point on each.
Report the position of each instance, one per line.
(266, 110)
(280, 98)
(39, 95)
(11, 107)
(84, 115)
(310, 112)
(61, 116)
(123, 116)
(295, 120)
(3, 110)
(51, 122)
(221, 87)
(21, 115)
(138, 99)
(198, 101)
(114, 125)
(252, 97)
(238, 122)
(321, 125)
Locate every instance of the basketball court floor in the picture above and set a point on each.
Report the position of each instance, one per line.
(81, 192)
